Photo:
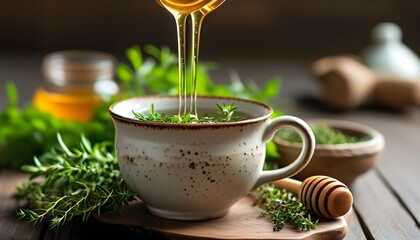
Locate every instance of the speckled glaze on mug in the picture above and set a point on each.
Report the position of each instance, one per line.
(198, 171)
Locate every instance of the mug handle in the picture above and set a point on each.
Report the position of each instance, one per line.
(308, 147)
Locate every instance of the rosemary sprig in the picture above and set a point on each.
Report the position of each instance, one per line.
(75, 182)
(283, 207)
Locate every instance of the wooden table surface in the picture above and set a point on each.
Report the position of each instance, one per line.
(386, 199)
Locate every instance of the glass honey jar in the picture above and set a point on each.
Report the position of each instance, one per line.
(74, 81)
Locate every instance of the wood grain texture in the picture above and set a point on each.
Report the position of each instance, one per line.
(10, 227)
(379, 208)
(355, 230)
(400, 161)
(242, 222)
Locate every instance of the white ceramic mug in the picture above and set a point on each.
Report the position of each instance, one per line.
(198, 171)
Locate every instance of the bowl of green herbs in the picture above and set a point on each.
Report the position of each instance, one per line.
(344, 150)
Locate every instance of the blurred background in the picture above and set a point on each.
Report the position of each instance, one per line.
(245, 27)
(261, 31)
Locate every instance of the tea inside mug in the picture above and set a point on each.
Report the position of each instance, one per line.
(246, 110)
(214, 115)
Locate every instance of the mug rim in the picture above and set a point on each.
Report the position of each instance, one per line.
(256, 119)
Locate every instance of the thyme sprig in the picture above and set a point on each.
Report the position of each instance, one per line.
(227, 110)
(74, 183)
(283, 207)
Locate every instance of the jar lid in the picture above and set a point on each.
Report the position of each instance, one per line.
(78, 67)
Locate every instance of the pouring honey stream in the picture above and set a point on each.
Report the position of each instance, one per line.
(181, 9)
(197, 21)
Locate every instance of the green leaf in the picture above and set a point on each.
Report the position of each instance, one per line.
(134, 55)
(271, 88)
(36, 161)
(12, 94)
(220, 90)
(152, 51)
(124, 73)
(63, 145)
(139, 116)
(29, 168)
(176, 119)
(86, 144)
(167, 58)
(236, 86)
(271, 152)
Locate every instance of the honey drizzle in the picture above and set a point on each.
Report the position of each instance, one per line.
(197, 21)
(180, 9)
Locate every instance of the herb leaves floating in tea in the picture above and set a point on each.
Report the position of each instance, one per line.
(227, 110)
(226, 115)
(153, 116)
(283, 207)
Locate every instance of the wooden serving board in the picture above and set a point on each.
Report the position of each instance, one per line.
(244, 221)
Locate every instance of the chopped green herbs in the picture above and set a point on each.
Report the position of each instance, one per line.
(226, 115)
(283, 207)
(77, 182)
(323, 135)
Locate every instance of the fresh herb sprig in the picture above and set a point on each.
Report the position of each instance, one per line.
(76, 182)
(283, 207)
(225, 109)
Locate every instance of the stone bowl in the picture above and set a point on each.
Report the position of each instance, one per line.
(344, 162)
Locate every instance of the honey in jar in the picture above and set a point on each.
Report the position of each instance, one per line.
(73, 83)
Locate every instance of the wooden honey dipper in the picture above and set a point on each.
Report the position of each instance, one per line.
(325, 196)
